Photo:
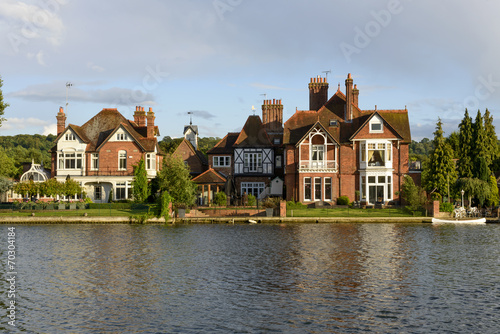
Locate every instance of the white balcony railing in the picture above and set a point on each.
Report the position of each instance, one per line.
(318, 166)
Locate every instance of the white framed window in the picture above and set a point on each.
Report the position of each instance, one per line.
(150, 161)
(123, 190)
(94, 164)
(376, 125)
(253, 188)
(317, 189)
(277, 141)
(98, 193)
(253, 161)
(307, 189)
(70, 160)
(121, 136)
(70, 136)
(221, 161)
(328, 188)
(122, 160)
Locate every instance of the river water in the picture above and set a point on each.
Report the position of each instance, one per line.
(303, 278)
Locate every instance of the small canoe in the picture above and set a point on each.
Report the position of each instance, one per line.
(479, 221)
(251, 221)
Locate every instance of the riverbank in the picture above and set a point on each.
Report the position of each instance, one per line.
(208, 220)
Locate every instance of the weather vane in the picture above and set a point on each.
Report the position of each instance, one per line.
(326, 74)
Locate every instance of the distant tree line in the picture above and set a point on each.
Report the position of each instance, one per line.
(169, 144)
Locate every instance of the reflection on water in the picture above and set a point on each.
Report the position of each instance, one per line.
(340, 278)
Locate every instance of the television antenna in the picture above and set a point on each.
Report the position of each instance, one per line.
(326, 74)
(190, 113)
(68, 86)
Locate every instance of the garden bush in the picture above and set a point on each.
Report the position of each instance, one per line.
(446, 207)
(343, 200)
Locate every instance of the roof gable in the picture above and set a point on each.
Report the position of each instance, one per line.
(225, 145)
(253, 134)
(364, 128)
(315, 126)
(210, 176)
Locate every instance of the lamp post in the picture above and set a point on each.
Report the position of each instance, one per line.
(462, 197)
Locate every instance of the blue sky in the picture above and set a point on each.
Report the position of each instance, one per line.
(216, 58)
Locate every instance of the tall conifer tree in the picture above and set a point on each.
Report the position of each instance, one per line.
(441, 166)
(465, 148)
(479, 148)
(491, 139)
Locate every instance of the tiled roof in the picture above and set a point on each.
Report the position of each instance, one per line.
(253, 134)
(99, 128)
(210, 176)
(225, 145)
(201, 157)
(302, 121)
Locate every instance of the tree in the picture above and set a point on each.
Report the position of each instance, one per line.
(491, 140)
(412, 194)
(474, 188)
(454, 141)
(465, 137)
(441, 172)
(494, 197)
(71, 188)
(140, 186)
(7, 165)
(28, 189)
(5, 184)
(3, 105)
(51, 188)
(174, 178)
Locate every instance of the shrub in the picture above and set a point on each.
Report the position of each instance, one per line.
(220, 199)
(446, 207)
(343, 200)
(251, 200)
(291, 205)
(271, 202)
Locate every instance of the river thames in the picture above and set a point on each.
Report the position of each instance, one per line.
(297, 278)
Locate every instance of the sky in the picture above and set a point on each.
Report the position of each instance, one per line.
(218, 58)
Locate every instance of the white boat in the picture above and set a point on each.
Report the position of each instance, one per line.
(478, 221)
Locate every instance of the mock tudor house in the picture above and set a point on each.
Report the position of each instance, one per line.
(252, 159)
(335, 148)
(101, 153)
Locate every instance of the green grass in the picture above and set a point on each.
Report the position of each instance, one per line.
(72, 213)
(347, 212)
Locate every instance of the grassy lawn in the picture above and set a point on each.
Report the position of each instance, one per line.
(347, 212)
(72, 213)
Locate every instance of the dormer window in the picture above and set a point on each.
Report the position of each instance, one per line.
(333, 122)
(70, 136)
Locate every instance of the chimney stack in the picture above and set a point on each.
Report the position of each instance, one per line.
(272, 116)
(140, 116)
(61, 121)
(348, 97)
(318, 93)
(355, 95)
(151, 123)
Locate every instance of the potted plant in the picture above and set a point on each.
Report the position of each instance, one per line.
(269, 204)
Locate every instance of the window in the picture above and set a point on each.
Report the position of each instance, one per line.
(389, 188)
(222, 161)
(97, 193)
(307, 189)
(122, 160)
(333, 122)
(328, 188)
(253, 188)
(123, 190)
(363, 152)
(253, 161)
(150, 161)
(276, 141)
(318, 152)
(70, 136)
(121, 136)
(376, 154)
(317, 188)
(376, 127)
(70, 160)
(278, 161)
(389, 152)
(94, 164)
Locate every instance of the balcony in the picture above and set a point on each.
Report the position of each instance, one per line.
(318, 166)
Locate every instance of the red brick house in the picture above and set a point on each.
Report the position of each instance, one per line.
(192, 157)
(101, 153)
(336, 149)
